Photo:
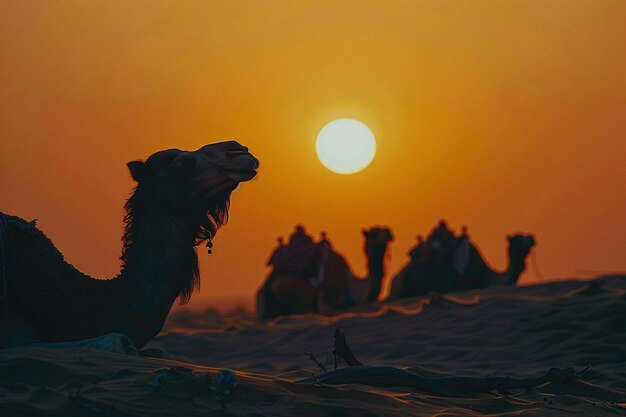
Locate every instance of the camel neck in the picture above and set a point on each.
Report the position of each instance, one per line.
(157, 246)
(376, 272)
(517, 265)
(159, 259)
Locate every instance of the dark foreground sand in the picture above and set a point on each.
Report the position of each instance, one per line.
(517, 332)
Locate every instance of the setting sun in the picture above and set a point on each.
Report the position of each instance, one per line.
(345, 146)
(312, 207)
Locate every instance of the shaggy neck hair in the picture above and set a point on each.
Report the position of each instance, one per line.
(169, 237)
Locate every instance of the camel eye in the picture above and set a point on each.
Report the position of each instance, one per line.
(184, 164)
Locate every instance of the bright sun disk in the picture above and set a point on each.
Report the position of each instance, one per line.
(345, 146)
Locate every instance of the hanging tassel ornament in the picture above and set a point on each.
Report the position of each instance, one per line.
(209, 244)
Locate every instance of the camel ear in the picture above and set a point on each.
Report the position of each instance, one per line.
(365, 232)
(137, 170)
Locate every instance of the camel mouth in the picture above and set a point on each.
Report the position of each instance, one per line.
(245, 168)
(241, 175)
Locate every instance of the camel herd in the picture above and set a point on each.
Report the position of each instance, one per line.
(311, 277)
(180, 200)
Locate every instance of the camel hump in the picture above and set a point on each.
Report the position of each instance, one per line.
(296, 257)
(30, 265)
(302, 257)
(443, 247)
(20, 225)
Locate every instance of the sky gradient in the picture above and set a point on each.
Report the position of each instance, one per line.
(503, 116)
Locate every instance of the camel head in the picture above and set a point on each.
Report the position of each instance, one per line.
(193, 185)
(520, 245)
(377, 239)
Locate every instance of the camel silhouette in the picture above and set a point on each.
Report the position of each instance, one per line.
(446, 263)
(310, 277)
(180, 201)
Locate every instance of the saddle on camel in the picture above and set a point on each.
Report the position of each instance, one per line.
(301, 257)
(442, 247)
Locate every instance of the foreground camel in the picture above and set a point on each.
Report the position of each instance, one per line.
(327, 284)
(180, 201)
(459, 267)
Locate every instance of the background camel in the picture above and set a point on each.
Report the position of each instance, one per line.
(446, 263)
(180, 201)
(324, 284)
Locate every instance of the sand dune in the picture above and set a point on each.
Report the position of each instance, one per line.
(516, 332)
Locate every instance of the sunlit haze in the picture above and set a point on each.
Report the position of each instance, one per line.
(505, 116)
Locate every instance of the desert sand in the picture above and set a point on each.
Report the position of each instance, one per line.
(517, 332)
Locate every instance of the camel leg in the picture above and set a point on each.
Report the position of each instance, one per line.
(110, 342)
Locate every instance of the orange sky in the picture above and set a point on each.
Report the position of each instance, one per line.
(502, 115)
